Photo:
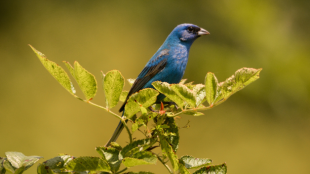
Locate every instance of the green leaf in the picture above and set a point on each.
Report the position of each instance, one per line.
(57, 164)
(190, 85)
(113, 86)
(200, 93)
(211, 84)
(217, 169)
(111, 155)
(20, 170)
(7, 165)
(116, 146)
(242, 78)
(167, 149)
(123, 96)
(70, 68)
(1, 166)
(173, 128)
(56, 71)
(138, 123)
(18, 159)
(186, 94)
(183, 169)
(144, 98)
(41, 169)
(193, 163)
(136, 146)
(131, 81)
(81, 164)
(140, 158)
(86, 81)
(166, 89)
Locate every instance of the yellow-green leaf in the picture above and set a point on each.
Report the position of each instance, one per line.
(166, 89)
(56, 71)
(211, 84)
(236, 82)
(113, 86)
(144, 98)
(140, 158)
(86, 81)
(123, 96)
(88, 164)
(186, 94)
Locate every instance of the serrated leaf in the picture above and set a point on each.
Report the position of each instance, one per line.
(113, 86)
(193, 163)
(140, 158)
(182, 81)
(123, 96)
(81, 164)
(111, 155)
(217, 169)
(86, 81)
(186, 94)
(200, 97)
(166, 89)
(18, 159)
(190, 85)
(56, 71)
(167, 149)
(183, 169)
(236, 82)
(131, 81)
(173, 140)
(211, 84)
(144, 98)
(137, 146)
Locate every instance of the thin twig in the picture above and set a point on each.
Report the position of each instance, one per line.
(167, 167)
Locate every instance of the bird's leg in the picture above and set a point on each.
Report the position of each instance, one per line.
(150, 107)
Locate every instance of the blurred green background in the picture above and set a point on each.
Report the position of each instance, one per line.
(261, 129)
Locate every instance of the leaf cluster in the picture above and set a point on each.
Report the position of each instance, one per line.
(140, 110)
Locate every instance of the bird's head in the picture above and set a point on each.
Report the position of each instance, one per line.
(188, 33)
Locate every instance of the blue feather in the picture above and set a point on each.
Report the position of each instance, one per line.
(168, 64)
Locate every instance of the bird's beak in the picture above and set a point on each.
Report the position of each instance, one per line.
(203, 32)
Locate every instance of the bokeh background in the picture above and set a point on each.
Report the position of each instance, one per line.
(261, 129)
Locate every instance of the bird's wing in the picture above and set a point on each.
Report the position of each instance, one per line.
(149, 71)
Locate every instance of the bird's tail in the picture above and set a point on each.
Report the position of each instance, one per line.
(116, 133)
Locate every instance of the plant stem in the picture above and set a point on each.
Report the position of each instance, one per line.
(167, 167)
(114, 114)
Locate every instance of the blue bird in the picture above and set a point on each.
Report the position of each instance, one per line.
(167, 64)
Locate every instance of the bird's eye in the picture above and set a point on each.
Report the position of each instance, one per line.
(190, 29)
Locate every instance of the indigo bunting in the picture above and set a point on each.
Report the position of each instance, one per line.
(167, 64)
